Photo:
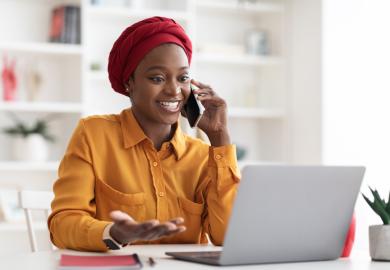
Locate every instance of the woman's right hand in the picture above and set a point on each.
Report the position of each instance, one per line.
(126, 230)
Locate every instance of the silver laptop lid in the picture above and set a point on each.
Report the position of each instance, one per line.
(291, 213)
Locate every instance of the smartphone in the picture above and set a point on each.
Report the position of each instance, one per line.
(193, 108)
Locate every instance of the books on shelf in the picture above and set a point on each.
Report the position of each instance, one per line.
(105, 262)
(65, 25)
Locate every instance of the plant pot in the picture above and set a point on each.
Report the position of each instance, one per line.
(31, 148)
(380, 242)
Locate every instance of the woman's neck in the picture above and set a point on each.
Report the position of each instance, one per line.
(157, 133)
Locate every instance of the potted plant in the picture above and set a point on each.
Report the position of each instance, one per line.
(379, 235)
(30, 142)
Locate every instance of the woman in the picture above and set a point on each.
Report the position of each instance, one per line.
(135, 177)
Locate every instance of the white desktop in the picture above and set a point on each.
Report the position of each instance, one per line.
(49, 260)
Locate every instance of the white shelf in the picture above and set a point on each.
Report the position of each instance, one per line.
(238, 112)
(238, 59)
(223, 6)
(107, 11)
(54, 107)
(29, 166)
(43, 48)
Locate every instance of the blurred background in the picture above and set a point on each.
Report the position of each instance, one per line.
(306, 82)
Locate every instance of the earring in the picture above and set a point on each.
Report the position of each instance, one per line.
(178, 90)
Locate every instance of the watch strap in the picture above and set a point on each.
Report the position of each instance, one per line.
(110, 242)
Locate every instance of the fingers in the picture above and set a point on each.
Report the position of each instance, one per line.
(120, 217)
(130, 230)
(164, 229)
(204, 92)
(177, 221)
(145, 226)
(199, 84)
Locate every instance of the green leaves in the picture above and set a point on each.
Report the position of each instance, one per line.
(24, 130)
(379, 206)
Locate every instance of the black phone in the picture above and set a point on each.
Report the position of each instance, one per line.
(193, 108)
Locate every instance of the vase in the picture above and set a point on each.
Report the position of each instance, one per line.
(31, 148)
(380, 242)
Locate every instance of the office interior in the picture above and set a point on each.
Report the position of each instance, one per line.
(306, 82)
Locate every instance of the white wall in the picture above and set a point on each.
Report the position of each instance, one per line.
(305, 81)
(356, 96)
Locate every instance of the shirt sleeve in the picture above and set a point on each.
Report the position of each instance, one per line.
(72, 224)
(220, 190)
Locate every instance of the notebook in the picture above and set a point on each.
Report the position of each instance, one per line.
(105, 262)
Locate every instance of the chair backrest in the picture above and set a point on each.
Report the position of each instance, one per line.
(34, 200)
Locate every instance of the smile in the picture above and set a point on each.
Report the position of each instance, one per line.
(171, 106)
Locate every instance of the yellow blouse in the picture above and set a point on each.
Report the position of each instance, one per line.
(110, 164)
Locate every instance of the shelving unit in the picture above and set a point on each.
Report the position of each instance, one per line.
(244, 60)
(232, 6)
(265, 94)
(22, 166)
(41, 48)
(118, 12)
(50, 107)
(60, 94)
(254, 86)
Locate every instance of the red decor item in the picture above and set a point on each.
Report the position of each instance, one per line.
(9, 80)
(350, 238)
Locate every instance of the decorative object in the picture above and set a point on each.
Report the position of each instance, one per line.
(30, 143)
(9, 80)
(240, 152)
(65, 25)
(379, 235)
(34, 82)
(257, 42)
(95, 66)
(10, 210)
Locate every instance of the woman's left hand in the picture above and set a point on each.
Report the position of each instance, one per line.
(214, 119)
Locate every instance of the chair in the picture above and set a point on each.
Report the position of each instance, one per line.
(34, 200)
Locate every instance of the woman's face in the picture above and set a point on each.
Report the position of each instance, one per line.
(160, 85)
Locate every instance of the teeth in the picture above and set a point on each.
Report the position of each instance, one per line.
(170, 104)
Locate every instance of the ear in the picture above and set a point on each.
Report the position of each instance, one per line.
(129, 86)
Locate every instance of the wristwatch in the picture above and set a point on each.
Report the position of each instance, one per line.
(110, 242)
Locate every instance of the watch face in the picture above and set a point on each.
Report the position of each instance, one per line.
(110, 244)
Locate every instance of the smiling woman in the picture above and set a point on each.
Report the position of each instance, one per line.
(158, 88)
(135, 177)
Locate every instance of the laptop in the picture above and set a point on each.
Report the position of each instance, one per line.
(287, 214)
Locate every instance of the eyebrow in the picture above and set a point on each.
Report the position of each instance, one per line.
(164, 68)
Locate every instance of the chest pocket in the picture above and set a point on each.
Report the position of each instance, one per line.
(109, 199)
(192, 214)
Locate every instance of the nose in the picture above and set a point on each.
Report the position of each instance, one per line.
(173, 88)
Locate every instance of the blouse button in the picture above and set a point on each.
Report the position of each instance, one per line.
(218, 157)
(161, 194)
(155, 164)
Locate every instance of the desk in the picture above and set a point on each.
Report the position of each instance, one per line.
(48, 260)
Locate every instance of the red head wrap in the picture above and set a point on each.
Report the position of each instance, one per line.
(139, 39)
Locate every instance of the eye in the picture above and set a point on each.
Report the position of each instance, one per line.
(184, 78)
(156, 79)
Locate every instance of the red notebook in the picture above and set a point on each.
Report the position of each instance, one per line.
(117, 262)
